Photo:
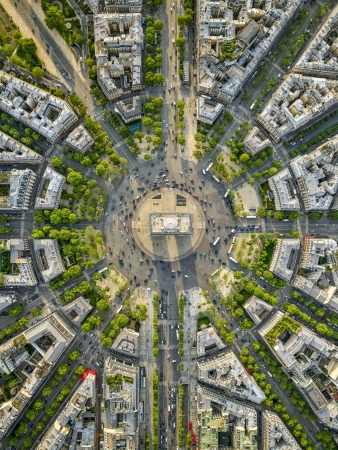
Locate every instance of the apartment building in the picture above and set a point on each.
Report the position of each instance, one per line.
(123, 6)
(311, 362)
(80, 139)
(226, 372)
(284, 191)
(17, 188)
(22, 266)
(208, 341)
(77, 310)
(207, 110)
(38, 109)
(50, 189)
(121, 397)
(233, 39)
(316, 174)
(118, 50)
(320, 58)
(130, 109)
(299, 99)
(75, 426)
(224, 422)
(48, 257)
(257, 309)
(49, 338)
(14, 152)
(276, 434)
(284, 258)
(255, 141)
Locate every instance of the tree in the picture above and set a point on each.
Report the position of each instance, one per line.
(38, 72)
(38, 404)
(74, 355)
(7, 49)
(244, 158)
(147, 122)
(55, 18)
(158, 78)
(28, 47)
(107, 342)
(261, 211)
(57, 162)
(38, 234)
(74, 178)
(47, 391)
(246, 95)
(294, 216)
(79, 370)
(237, 275)
(15, 311)
(22, 429)
(63, 369)
(279, 215)
(315, 215)
(30, 414)
(158, 25)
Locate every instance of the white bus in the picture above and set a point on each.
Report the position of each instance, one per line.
(119, 309)
(216, 242)
(226, 194)
(215, 178)
(209, 167)
(252, 105)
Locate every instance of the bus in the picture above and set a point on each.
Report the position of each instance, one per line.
(215, 178)
(226, 194)
(209, 167)
(119, 309)
(216, 242)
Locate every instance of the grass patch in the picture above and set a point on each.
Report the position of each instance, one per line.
(202, 321)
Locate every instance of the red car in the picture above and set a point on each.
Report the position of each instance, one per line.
(190, 426)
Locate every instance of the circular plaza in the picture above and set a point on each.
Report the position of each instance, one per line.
(168, 224)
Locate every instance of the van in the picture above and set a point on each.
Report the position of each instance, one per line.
(168, 356)
(173, 41)
(203, 172)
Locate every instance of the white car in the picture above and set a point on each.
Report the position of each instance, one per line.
(121, 233)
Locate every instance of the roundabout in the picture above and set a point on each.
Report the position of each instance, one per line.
(169, 224)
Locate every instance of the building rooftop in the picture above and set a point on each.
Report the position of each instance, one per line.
(7, 299)
(49, 337)
(257, 309)
(121, 399)
(255, 141)
(118, 46)
(127, 342)
(48, 257)
(78, 310)
(304, 355)
(232, 42)
(14, 152)
(284, 191)
(284, 258)
(320, 57)
(48, 115)
(130, 108)
(225, 371)
(20, 185)
(297, 100)
(223, 420)
(22, 270)
(207, 110)
(276, 434)
(208, 341)
(317, 176)
(80, 139)
(50, 189)
(123, 6)
(72, 418)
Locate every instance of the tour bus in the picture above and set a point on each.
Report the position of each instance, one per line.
(216, 242)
